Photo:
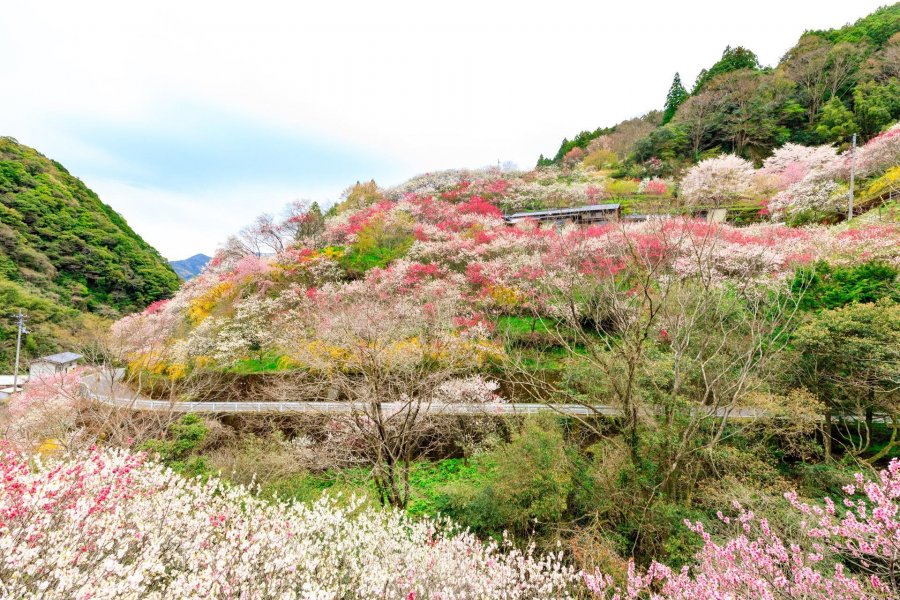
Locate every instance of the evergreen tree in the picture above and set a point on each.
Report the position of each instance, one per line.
(677, 94)
(733, 59)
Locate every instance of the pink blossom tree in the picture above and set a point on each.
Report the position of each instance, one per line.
(758, 563)
(718, 181)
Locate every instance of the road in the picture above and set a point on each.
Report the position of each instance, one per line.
(118, 395)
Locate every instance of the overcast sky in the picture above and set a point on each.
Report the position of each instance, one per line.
(192, 117)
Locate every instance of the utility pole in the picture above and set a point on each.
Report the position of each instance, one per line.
(20, 330)
(852, 174)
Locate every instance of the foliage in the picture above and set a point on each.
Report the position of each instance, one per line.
(829, 85)
(733, 59)
(675, 98)
(849, 358)
(836, 123)
(178, 450)
(525, 485)
(875, 28)
(825, 286)
(580, 141)
(65, 238)
(64, 253)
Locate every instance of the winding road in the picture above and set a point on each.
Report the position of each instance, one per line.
(118, 395)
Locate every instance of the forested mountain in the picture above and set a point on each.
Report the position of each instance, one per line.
(64, 253)
(190, 267)
(831, 84)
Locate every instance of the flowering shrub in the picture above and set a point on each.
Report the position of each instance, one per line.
(791, 163)
(655, 187)
(758, 563)
(718, 181)
(113, 524)
(44, 414)
(880, 153)
(810, 195)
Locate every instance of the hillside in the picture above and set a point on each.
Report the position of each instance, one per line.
(65, 254)
(189, 267)
(830, 85)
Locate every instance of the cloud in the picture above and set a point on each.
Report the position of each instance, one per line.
(201, 100)
(190, 147)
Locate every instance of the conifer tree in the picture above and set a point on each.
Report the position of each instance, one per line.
(677, 94)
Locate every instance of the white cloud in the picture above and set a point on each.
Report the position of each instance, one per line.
(421, 85)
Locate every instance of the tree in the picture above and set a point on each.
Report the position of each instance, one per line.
(733, 59)
(675, 98)
(359, 196)
(836, 123)
(389, 358)
(849, 358)
(876, 105)
(821, 70)
(719, 181)
(303, 220)
(856, 534)
(700, 115)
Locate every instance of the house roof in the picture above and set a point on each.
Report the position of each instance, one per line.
(7, 380)
(559, 212)
(60, 359)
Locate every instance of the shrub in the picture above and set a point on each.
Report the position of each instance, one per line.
(825, 286)
(526, 485)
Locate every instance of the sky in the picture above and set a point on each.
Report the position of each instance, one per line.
(191, 117)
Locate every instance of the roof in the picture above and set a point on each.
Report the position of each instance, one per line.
(558, 212)
(60, 359)
(8, 379)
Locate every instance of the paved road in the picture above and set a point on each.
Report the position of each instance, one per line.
(126, 399)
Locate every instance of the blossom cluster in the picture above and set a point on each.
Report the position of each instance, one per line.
(113, 524)
(759, 563)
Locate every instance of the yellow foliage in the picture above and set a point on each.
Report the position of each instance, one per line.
(600, 159)
(888, 182)
(202, 307)
(286, 362)
(176, 371)
(505, 297)
(331, 252)
(48, 447)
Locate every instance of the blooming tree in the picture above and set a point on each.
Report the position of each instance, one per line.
(880, 153)
(758, 563)
(718, 181)
(114, 525)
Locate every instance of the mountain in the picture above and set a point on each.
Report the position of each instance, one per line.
(190, 267)
(66, 258)
(832, 84)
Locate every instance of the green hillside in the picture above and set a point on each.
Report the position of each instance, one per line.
(65, 256)
(831, 84)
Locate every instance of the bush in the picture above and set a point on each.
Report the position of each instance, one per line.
(829, 287)
(526, 486)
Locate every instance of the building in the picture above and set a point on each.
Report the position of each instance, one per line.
(6, 385)
(581, 215)
(54, 364)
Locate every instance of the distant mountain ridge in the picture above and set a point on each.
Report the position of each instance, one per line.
(190, 267)
(66, 258)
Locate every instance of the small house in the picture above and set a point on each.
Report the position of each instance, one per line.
(581, 215)
(6, 385)
(54, 364)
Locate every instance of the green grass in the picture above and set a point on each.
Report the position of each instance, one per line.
(264, 364)
(426, 479)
